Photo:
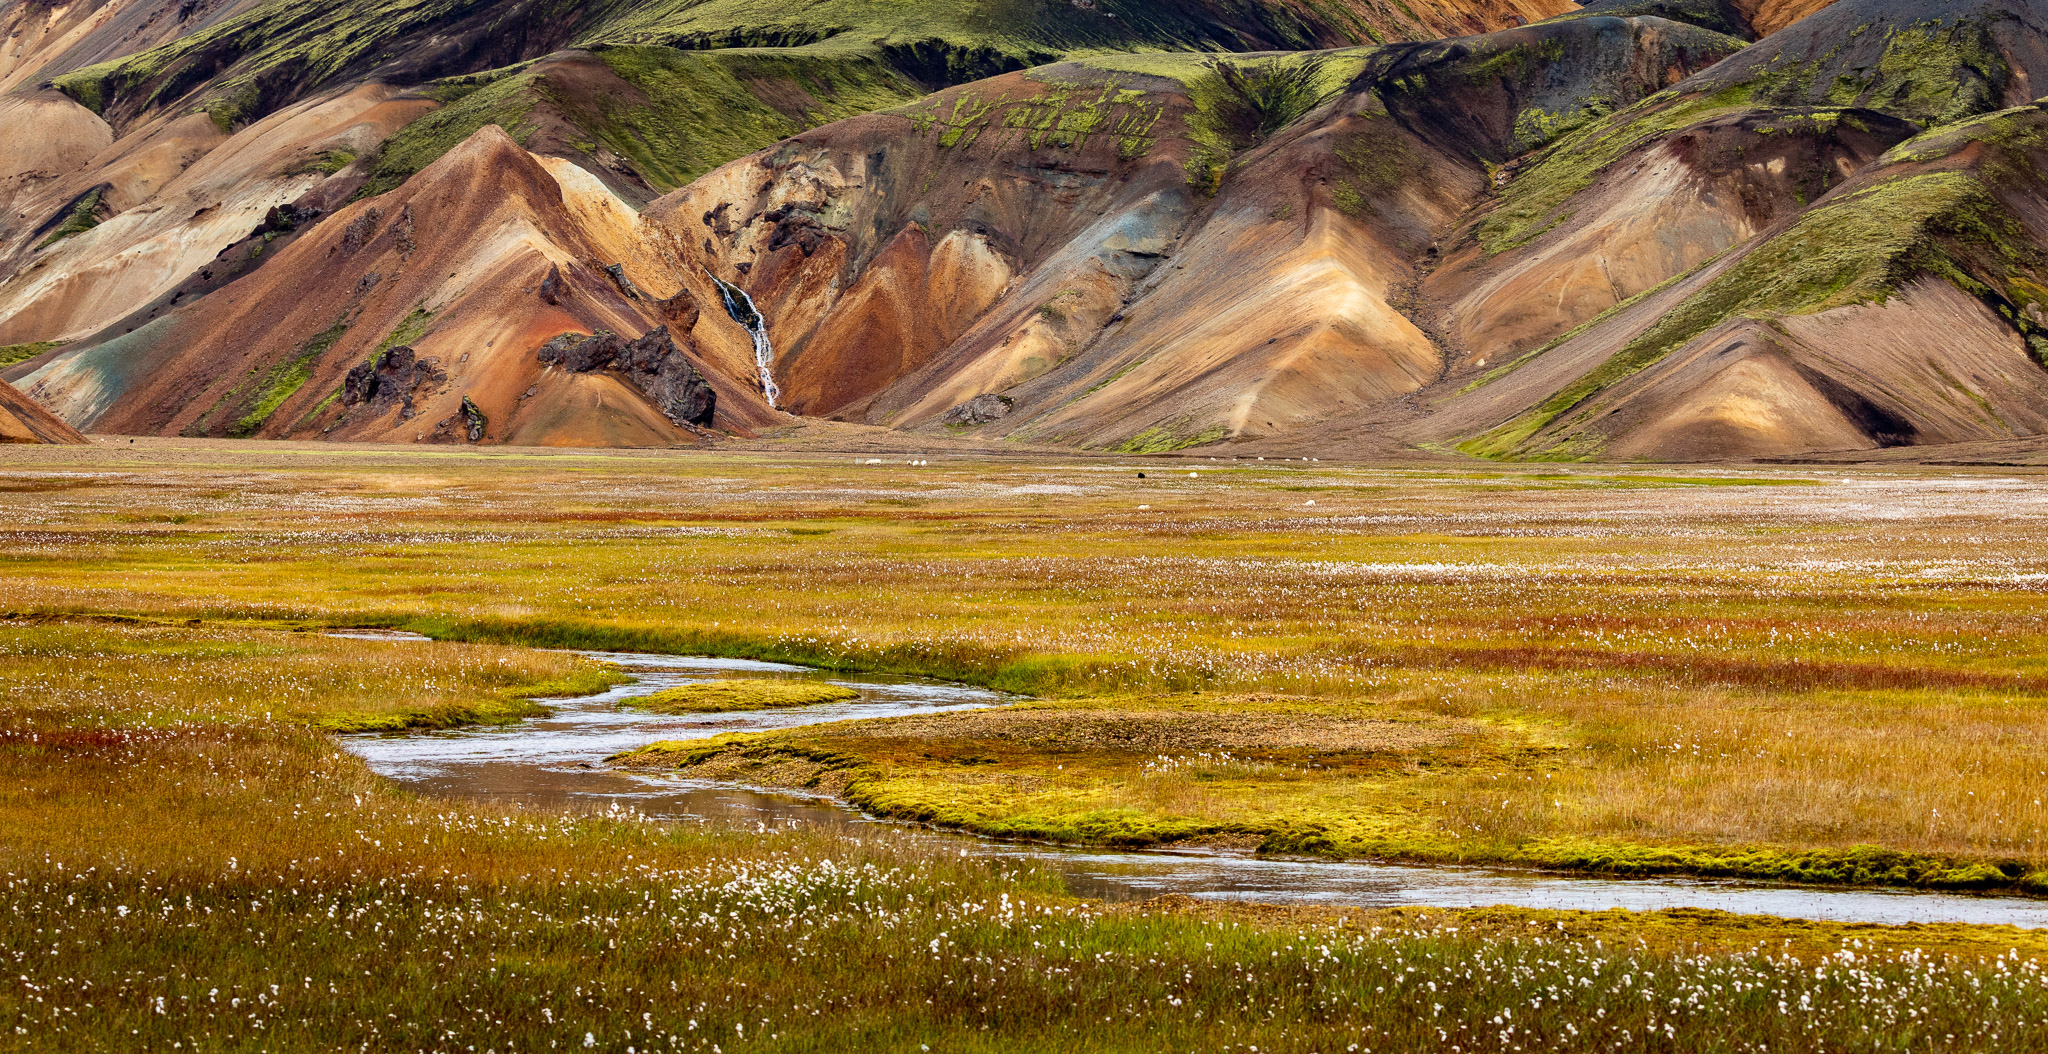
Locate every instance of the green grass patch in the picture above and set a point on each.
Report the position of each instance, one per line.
(1163, 440)
(83, 216)
(284, 380)
(13, 353)
(450, 715)
(410, 328)
(741, 693)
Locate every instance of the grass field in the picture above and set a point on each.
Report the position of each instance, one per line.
(1830, 676)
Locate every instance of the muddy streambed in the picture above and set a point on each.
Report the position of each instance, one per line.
(557, 761)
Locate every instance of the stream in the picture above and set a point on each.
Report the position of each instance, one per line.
(557, 762)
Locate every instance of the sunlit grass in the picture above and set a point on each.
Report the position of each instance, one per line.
(741, 693)
(1660, 662)
(1590, 668)
(241, 885)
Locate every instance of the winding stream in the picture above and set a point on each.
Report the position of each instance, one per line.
(557, 761)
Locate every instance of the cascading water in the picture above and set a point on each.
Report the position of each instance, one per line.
(741, 307)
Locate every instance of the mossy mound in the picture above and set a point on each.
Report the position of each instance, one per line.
(496, 712)
(1930, 63)
(744, 693)
(512, 706)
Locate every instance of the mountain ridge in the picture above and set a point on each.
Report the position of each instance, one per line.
(1517, 244)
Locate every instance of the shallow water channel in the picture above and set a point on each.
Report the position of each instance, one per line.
(559, 761)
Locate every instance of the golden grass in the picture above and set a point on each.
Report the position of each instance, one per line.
(187, 862)
(741, 693)
(1855, 660)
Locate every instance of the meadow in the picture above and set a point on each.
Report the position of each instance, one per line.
(1825, 675)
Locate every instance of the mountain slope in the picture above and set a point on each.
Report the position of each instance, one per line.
(435, 298)
(1669, 225)
(22, 420)
(1645, 229)
(1137, 310)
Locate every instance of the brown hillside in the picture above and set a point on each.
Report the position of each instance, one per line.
(22, 421)
(450, 267)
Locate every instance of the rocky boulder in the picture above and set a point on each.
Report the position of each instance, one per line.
(653, 363)
(391, 377)
(979, 410)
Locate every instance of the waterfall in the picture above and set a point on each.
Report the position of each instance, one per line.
(741, 307)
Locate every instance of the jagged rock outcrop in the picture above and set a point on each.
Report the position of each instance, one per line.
(980, 410)
(393, 377)
(474, 423)
(652, 363)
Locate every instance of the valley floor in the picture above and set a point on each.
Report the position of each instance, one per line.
(1813, 674)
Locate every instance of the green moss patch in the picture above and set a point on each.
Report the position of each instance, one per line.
(1856, 248)
(500, 712)
(13, 353)
(83, 216)
(742, 693)
(1536, 200)
(502, 100)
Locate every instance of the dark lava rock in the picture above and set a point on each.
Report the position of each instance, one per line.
(659, 368)
(796, 224)
(580, 354)
(283, 219)
(552, 287)
(392, 377)
(979, 410)
(473, 420)
(653, 363)
(626, 286)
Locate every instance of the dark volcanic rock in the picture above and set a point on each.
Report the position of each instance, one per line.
(626, 286)
(473, 420)
(659, 368)
(653, 363)
(979, 410)
(581, 354)
(392, 377)
(552, 287)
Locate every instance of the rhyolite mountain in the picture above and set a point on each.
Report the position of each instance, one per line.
(1520, 229)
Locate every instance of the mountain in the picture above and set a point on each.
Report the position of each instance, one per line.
(23, 421)
(1641, 229)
